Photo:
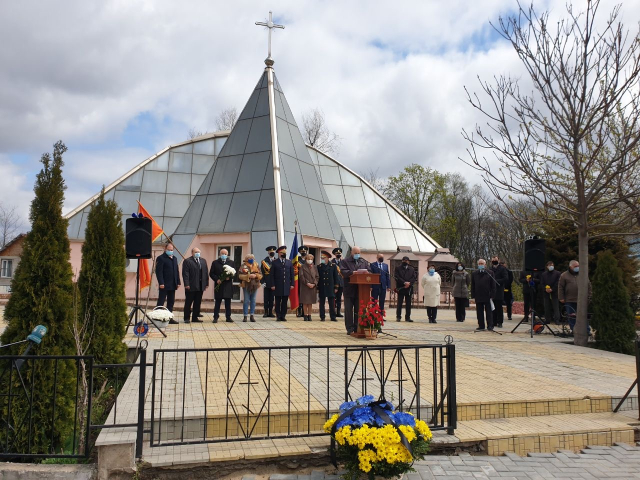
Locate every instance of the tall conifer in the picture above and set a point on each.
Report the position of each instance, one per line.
(101, 282)
(42, 293)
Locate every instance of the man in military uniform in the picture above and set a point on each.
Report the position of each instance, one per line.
(281, 281)
(336, 261)
(302, 254)
(268, 293)
(327, 285)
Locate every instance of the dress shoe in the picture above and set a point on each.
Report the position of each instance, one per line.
(398, 319)
(215, 320)
(479, 329)
(173, 322)
(244, 319)
(185, 321)
(196, 321)
(322, 319)
(339, 315)
(308, 318)
(434, 321)
(334, 320)
(200, 315)
(408, 320)
(271, 315)
(252, 318)
(229, 320)
(266, 315)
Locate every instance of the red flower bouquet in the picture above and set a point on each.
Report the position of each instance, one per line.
(370, 316)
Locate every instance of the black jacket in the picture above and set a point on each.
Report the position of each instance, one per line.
(167, 272)
(348, 267)
(483, 286)
(282, 277)
(226, 287)
(336, 262)
(551, 279)
(265, 268)
(501, 275)
(194, 275)
(403, 275)
(526, 288)
(328, 280)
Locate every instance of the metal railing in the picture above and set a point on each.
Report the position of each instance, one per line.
(19, 396)
(228, 394)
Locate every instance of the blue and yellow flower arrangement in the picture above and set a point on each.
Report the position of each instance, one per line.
(369, 437)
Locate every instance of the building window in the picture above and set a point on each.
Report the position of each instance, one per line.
(7, 269)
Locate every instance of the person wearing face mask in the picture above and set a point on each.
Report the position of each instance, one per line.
(528, 285)
(568, 291)
(168, 278)
(483, 289)
(405, 276)
(281, 281)
(460, 291)
(336, 261)
(502, 277)
(249, 275)
(431, 283)
(268, 293)
(224, 287)
(508, 292)
(348, 267)
(379, 291)
(549, 281)
(195, 276)
(308, 280)
(302, 260)
(328, 285)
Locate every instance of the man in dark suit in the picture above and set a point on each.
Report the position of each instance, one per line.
(405, 276)
(348, 267)
(379, 292)
(223, 289)
(327, 285)
(302, 258)
(336, 261)
(168, 278)
(268, 293)
(195, 276)
(501, 276)
(281, 281)
(483, 289)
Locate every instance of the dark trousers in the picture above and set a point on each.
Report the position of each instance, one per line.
(482, 309)
(194, 298)
(527, 303)
(509, 304)
(404, 294)
(338, 299)
(227, 308)
(461, 305)
(432, 313)
(498, 313)
(281, 306)
(379, 294)
(169, 296)
(351, 314)
(332, 308)
(551, 307)
(268, 300)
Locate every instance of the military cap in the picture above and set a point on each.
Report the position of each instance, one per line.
(271, 249)
(324, 253)
(337, 250)
(280, 249)
(304, 250)
(405, 258)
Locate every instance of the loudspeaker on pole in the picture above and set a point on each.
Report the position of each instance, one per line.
(138, 237)
(534, 254)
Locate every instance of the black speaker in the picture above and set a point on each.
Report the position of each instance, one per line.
(534, 254)
(138, 238)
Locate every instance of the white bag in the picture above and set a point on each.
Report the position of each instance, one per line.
(493, 307)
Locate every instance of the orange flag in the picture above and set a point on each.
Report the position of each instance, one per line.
(156, 231)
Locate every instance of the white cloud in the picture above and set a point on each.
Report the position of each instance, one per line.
(389, 78)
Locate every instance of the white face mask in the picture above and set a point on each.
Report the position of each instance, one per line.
(310, 262)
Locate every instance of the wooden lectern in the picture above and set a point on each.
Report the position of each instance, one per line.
(364, 281)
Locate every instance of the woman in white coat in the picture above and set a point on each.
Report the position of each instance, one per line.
(431, 282)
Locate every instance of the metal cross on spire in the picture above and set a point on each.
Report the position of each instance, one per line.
(270, 25)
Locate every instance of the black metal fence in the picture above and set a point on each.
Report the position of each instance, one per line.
(275, 392)
(21, 399)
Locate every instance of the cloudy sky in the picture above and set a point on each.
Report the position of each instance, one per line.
(118, 80)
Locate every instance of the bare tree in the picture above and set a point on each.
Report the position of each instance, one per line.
(375, 180)
(317, 134)
(194, 133)
(568, 146)
(9, 223)
(227, 118)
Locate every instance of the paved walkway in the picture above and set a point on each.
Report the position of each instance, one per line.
(619, 462)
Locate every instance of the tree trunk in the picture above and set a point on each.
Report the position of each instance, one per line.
(580, 331)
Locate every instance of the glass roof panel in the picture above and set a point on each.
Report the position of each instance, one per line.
(153, 203)
(397, 221)
(260, 136)
(202, 164)
(363, 238)
(215, 213)
(204, 147)
(385, 240)
(358, 216)
(268, 175)
(342, 215)
(225, 174)
(180, 162)
(285, 144)
(179, 183)
(291, 168)
(311, 181)
(354, 196)
(321, 219)
(127, 201)
(160, 163)
(265, 218)
(252, 171)
(238, 139)
(196, 182)
(260, 241)
(335, 194)
(372, 198)
(304, 215)
(250, 107)
(242, 211)
(349, 179)
(406, 238)
(330, 175)
(262, 108)
(154, 181)
(379, 217)
(176, 205)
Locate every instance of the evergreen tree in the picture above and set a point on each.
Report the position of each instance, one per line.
(42, 293)
(613, 318)
(101, 283)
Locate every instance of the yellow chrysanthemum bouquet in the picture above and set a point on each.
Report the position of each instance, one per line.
(370, 437)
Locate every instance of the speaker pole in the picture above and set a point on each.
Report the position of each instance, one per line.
(134, 312)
